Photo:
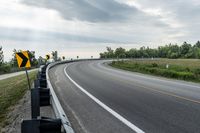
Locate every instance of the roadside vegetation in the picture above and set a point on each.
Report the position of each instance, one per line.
(171, 51)
(172, 60)
(183, 69)
(12, 66)
(11, 91)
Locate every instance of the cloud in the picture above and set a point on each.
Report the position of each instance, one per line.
(27, 35)
(143, 17)
(94, 24)
(119, 21)
(88, 10)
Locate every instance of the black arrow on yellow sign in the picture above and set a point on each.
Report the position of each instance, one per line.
(24, 58)
(47, 57)
(24, 61)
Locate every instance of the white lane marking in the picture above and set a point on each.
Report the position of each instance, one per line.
(115, 114)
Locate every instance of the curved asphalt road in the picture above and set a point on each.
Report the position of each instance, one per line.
(153, 104)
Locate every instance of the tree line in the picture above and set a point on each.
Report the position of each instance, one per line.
(12, 66)
(172, 51)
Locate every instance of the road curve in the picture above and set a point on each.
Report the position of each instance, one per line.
(152, 104)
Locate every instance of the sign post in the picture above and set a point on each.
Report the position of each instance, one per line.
(29, 85)
(23, 61)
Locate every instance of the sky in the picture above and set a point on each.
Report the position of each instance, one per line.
(85, 27)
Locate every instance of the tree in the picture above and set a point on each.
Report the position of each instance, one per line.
(173, 51)
(163, 51)
(143, 53)
(31, 54)
(151, 52)
(1, 56)
(196, 51)
(185, 48)
(110, 52)
(41, 61)
(14, 60)
(102, 55)
(132, 53)
(34, 61)
(120, 52)
(197, 44)
(54, 55)
(168, 51)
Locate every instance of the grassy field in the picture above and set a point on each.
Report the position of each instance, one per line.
(11, 91)
(183, 69)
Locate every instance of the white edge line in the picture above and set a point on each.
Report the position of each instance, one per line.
(115, 114)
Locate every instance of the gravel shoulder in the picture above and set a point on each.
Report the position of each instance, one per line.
(22, 111)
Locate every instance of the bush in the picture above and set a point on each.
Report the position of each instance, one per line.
(187, 69)
(173, 74)
(154, 64)
(197, 72)
(113, 62)
(152, 70)
(5, 69)
(175, 71)
(187, 75)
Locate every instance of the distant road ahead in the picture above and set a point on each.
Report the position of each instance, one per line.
(151, 104)
(5, 76)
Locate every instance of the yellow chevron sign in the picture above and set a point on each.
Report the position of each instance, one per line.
(23, 59)
(47, 57)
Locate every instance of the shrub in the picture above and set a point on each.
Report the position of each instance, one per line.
(154, 64)
(187, 69)
(197, 72)
(175, 71)
(5, 69)
(113, 62)
(186, 75)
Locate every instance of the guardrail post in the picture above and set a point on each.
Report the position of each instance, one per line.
(43, 125)
(36, 83)
(41, 75)
(50, 126)
(44, 97)
(30, 126)
(35, 103)
(40, 96)
(42, 83)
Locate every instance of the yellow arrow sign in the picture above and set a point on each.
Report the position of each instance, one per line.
(23, 59)
(47, 57)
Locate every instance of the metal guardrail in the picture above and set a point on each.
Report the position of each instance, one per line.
(43, 94)
(59, 112)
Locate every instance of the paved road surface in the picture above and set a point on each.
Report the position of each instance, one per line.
(152, 104)
(5, 76)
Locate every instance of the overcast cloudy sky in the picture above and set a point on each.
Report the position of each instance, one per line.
(86, 27)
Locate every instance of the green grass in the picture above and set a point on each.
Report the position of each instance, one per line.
(183, 69)
(11, 91)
